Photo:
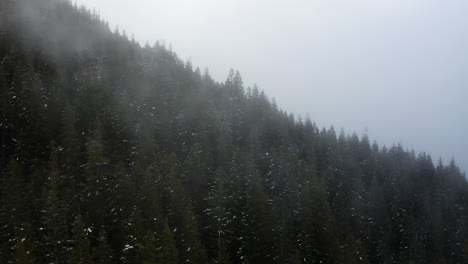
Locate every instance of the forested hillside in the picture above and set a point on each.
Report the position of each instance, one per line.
(117, 153)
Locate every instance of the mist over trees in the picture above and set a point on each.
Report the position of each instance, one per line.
(117, 153)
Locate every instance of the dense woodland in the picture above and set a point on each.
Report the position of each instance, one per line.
(117, 153)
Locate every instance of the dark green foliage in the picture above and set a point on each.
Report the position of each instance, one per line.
(55, 212)
(25, 246)
(165, 250)
(102, 252)
(80, 251)
(318, 240)
(184, 222)
(260, 219)
(153, 162)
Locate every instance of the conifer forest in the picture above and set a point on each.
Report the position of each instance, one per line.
(117, 152)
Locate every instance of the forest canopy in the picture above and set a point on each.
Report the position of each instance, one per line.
(113, 152)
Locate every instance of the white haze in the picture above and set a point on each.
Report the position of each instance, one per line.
(396, 68)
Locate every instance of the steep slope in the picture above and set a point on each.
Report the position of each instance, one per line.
(116, 153)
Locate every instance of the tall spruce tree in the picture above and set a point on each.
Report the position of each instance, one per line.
(80, 249)
(182, 219)
(55, 212)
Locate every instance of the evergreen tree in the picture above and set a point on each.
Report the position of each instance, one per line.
(102, 253)
(218, 215)
(54, 217)
(13, 210)
(260, 244)
(6, 117)
(70, 160)
(182, 220)
(26, 246)
(97, 180)
(317, 237)
(80, 250)
(166, 251)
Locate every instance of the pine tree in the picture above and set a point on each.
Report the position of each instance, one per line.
(317, 236)
(147, 240)
(70, 160)
(352, 251)
(166, 251)
(80, 251)
(260, 244)
(218, 215)
(54, 212)
(6, 114)
(182, 220)
(102, 253)
(134, 240)
(13, 208)
(33, 135)
(26, 246)
(195, 178)
(97, 173)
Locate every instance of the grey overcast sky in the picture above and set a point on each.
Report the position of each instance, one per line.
(398, 68)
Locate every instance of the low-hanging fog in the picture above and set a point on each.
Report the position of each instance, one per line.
(397, 69)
